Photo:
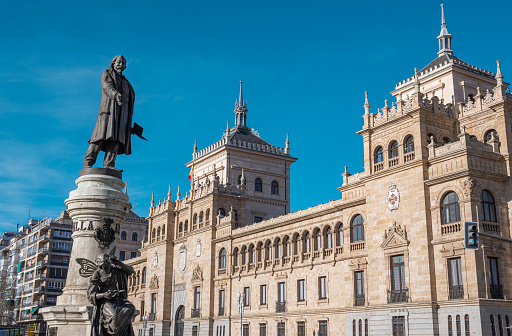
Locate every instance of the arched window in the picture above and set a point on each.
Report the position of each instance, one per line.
(357, 229)
(490, 133)
(339, 234)
(243, 254)
(260, 252)
(446, 140)
(207, 214)
(507, 321)
(157, 232)
(274, 188)
(180, 227)
(409, 144)
(251, 254)
(297, 244)
(235, 257)
(328, 243)
(277, 248)
(268, 250)
(222, 212)
(500, 325)
(450, 208)
(154, 233)
(458, 326)
(235, 215)
(222, 258)
(379, 154)
(138, 278)
(144, 275)
(286, 246)
(163, 230)
(366, 329)
(194, 219)
(307, 243)
(258, 185)
(360, 327)
(239, 179)
(393, 150)
(186, 225)
(488, 207)
(123, 235)
(466, 325)
(134, 236)
(317, 238)
(493, 327)
(450, 326)
(354, 330)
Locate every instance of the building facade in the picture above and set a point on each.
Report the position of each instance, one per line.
(133, 231)
(388, 258)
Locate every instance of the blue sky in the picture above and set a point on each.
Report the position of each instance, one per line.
(305, 67)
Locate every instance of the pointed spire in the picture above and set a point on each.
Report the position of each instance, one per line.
(152, 200)
(195, 146)
(366, 103)
(445, 39)
(242, 179)
(178, 194)
(416, 81)
(126, 189)
(287, 143)
(499, 75)
(241, 110)
(227, 127)
(169, 193)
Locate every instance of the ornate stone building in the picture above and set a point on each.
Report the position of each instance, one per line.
(386, 259)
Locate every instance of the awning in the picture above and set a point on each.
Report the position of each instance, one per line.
(26, 311)
(34, 310)
(19, 266)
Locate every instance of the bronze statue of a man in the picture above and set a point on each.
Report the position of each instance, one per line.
(112, 133)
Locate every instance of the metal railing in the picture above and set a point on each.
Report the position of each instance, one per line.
(151, 316)
(221, 311)
(359, 300)
(280, 307)
(496, 291)
(401, 295)
(456, 292)
(195, 313)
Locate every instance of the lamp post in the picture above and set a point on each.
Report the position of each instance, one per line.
(144, 322)
(241, 297)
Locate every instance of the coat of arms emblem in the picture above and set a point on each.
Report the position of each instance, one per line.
(105, 234)
(393, 198)
(183, 258)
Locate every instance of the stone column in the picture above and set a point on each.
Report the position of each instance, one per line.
(96, 207)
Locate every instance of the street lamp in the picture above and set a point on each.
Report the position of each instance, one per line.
(241, 297)
(145, 322)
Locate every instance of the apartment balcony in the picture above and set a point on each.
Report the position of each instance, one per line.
(456, 292)
(280, 307)
(195, 313)
(43, 250)
(496, 291)
(45, 237)
(359, 300)
(62, 238)
(30, 266)
(397, 296)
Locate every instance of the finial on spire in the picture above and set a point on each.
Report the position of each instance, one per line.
(152, 200)
(366, 103)
(195, 146)
(499, 75)
(241, 110)
(445, 39)
(287, 143)
(126, 189)
(178, 194)
(416, 81)
(169, 193)
(242, 179)
(227, 127)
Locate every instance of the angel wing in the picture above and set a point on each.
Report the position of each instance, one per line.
(87, 267)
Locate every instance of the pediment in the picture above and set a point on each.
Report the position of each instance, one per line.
(395, 236)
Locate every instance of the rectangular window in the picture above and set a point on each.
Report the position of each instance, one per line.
(142, 310)
(301, 296)
(263, 294)
(263, 329)
(194, 331)
(258, 219)
(222, 298)
(197, 297)
(359, 288)
(301, 328)
(247, 296)
(456, 289)
(133, 255)
(494, 279)
(398, 273)
(153, 303)
(281, 329)
(322, 288)
(245, 330)
(280, 292)
(322, 328)
(398, 326)
(122, 256)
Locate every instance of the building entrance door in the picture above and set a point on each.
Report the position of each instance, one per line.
(178, 326)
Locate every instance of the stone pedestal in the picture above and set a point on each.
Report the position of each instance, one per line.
(96, 207)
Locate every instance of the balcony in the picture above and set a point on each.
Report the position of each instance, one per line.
(409, 157)
(44, 237)
(151, 316)
(221, 311)
(195, 313)
(396, 296)
(456, 292)
(357, 246)
(497, 291)
(491, 227)
(280, 307)
(359, 300)
(43, 250)
(451, 228)
(378, 167)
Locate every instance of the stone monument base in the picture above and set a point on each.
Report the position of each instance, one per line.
(68, 320)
